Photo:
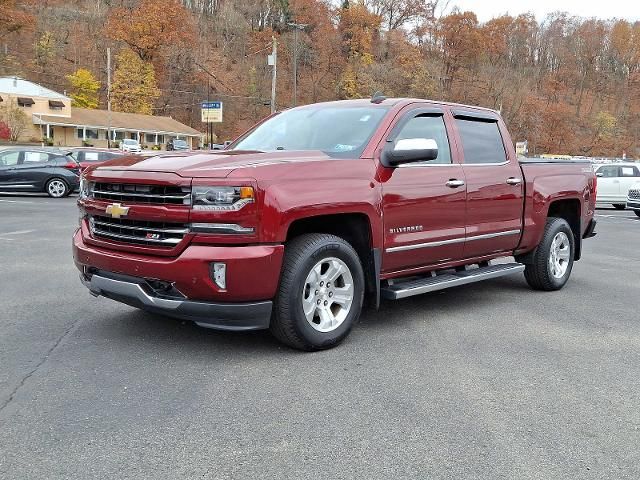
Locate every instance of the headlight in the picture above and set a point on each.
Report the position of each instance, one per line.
(221, 198)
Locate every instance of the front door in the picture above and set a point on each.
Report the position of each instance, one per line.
(423, 202)
(34, 169)
(8, 163)
(495, 186)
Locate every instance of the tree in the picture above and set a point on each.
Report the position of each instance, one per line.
(84, 89)
(12, 19)
(5, 132)
(151, 25)
(134, 84)
(15, 119)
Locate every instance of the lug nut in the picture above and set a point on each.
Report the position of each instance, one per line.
(330, 294)
(326, 303)
(317, 292)
(328, 285)
(318, 302)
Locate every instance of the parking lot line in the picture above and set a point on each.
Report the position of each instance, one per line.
(17, 232)
(14, 201)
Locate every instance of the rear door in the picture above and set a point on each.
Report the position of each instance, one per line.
(423, 202)
(495, 185)
(34, 169)
(609, 183)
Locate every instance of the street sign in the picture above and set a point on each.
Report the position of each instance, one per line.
(211, 112)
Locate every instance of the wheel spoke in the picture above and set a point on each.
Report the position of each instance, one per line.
(343, 295)
(326, 319)
(563, 253)
(334, 271)
(309, 307)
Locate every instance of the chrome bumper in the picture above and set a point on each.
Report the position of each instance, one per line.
(221, 316)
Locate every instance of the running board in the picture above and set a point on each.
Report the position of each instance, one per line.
(448, 280)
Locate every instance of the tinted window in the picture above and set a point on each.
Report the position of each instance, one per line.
(609, 171)
(481, 141)
(35, 157)
(9, 158)
(429, 127)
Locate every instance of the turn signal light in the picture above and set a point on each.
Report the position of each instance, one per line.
(246, 192)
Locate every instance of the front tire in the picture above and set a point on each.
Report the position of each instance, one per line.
(637, 212)
(619, 206)
(320, 293)
(57, 188)
(553, 259)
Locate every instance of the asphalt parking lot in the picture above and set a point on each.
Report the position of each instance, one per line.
(485, 381)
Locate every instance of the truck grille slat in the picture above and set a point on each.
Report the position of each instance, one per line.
(134, 193)
(634, 194)
(138, 232)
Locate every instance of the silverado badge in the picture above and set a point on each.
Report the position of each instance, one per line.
(116, 210)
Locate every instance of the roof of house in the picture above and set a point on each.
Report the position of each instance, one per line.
(119, 121)
(25, 88)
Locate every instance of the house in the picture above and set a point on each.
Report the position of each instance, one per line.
(53, 117)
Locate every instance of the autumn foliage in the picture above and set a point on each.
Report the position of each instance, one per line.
(567, 85)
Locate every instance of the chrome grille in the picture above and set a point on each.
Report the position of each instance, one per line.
(139, 232)
(634, 194)
(134, 193)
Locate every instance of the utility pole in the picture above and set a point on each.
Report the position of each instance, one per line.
(208, 123)
(296, 26)
(108, 97)
(274, 61)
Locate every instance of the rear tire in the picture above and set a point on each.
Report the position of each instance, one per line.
(320, 293)
(57, 188)
(619, 206)
(553, 259)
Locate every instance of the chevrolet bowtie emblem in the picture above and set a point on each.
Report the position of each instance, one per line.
(116, 210)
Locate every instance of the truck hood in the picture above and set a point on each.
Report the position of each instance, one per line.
(211, 165)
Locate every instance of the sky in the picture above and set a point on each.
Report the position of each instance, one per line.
(487, 9)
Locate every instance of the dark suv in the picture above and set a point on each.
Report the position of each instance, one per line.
(26, 169)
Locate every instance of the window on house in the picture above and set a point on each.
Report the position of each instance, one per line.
(91, 133)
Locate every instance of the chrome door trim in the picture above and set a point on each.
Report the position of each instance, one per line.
(486, 236)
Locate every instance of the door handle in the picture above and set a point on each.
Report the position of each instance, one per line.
(454, 183)
(514, 181)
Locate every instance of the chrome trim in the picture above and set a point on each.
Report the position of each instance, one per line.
(179, 231)
(227, 228)
(451, 241)
(118, 236)
(145, 195)
(499, 164)
(443, 281)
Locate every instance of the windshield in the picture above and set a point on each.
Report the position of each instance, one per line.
(130, 142)
(337, 131)
(179, 143)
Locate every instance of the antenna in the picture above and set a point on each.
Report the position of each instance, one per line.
(378, 98)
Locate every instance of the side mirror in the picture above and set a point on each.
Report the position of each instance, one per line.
(599, 174)
(410, 150)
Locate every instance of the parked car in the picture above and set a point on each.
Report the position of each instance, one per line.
(321, 206)
(92, 156)
(27, 169)
(176, 144)
(130, 145)
(614, 182)
(633, 199)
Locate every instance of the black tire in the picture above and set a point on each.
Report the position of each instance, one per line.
(619, 206)
(637, 212)
(57, 188)
(289, 323)
(539, 273)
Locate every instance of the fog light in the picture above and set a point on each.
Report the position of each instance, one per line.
(219, 271)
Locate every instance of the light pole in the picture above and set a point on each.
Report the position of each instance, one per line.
(296, 26)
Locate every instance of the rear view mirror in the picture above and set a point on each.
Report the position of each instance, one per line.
(409, 150)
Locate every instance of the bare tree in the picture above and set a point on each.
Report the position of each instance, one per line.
(15, 119)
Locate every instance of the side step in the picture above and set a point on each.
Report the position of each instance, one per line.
(409, 288)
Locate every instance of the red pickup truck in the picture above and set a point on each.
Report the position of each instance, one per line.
(320, 207)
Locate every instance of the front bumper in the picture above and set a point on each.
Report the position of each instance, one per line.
(633, 204)
(137, 293)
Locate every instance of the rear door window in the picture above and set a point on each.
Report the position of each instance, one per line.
(9, 158)
(36, 157)
(609, 171)
(629, 172)
(481, 141)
